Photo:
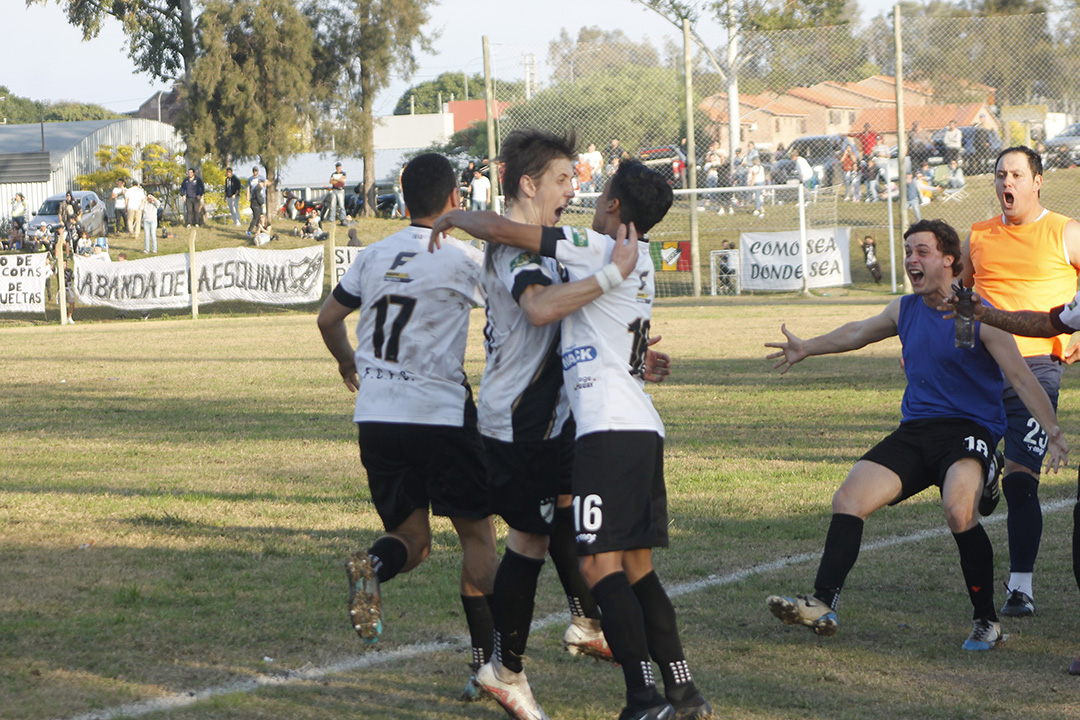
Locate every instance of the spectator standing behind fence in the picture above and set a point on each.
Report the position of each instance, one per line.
(337, 194)
(868, 140)
(953, 141)
(914, 197)
(806, 173)
(258, 203)
(920, 144)
(135, 196)
(849, 164)
(150, 222)
(18, 209)
(69, 210)
(232, 195)
(480, 191)
(755, 177)
(192, 190)
(119, 201)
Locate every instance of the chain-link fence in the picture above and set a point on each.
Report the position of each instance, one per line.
(815, 107)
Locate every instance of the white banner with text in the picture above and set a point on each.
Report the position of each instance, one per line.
(22, 282)
(776, 261)
(274, 277)
(343, 258)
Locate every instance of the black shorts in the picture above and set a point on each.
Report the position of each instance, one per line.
(525, 478)
(620, 502)
(922, 451)
(419, 466)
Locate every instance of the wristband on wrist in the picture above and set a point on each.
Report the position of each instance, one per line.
(609, 277)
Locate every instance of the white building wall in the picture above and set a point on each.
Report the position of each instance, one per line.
(394, 132)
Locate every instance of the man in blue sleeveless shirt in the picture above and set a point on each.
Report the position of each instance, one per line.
(952, 421)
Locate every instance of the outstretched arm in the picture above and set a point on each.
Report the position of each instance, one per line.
(1003, 347)
(1028, 323)
(851, 336)
(489, 226)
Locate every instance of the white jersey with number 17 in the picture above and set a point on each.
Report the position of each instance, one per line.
(414, 319)
(604, 342)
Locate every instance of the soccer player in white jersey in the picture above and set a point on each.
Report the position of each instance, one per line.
(417, 422)
(524, 417)
(620, 503)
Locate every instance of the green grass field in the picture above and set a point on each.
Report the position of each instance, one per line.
(177, 499)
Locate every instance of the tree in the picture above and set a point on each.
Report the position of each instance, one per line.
(640, 106)
(249, 91)
(122, 162)
(162, 32)
(596, 50)
(425, 96)
(360, 44)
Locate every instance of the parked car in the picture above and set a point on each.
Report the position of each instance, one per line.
(1063, 149)
(94, 218)
(821, 151)
(981, 146)
(664, 159)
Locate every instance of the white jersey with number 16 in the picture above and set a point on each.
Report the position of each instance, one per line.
(604, 342)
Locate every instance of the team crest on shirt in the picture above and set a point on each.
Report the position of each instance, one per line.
(547, 510)
(525, 258)
(579, 237)
(1071, 305)
(581, 354)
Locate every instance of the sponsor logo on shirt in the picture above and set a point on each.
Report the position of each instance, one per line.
(1071, 305)
(584, 382)
(573, 356)
(579, 237)
(525, 258)
(586, 538)
(401, 277)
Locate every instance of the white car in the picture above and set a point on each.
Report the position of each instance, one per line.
(94, 218)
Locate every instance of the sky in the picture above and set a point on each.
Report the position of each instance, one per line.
(100, 72)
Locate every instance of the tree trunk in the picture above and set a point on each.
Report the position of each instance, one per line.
(367, 143)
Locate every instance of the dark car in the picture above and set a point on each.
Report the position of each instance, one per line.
(384, 204)
(664, 159)
(981, 146)
(821, 151)
(1063, 149)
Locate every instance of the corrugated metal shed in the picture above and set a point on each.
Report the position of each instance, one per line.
(70, 147)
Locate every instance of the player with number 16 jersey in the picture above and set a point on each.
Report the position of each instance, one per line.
(604, 342)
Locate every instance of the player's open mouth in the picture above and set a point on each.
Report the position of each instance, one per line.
(1007, 198)
(916, 275)
(559, 211)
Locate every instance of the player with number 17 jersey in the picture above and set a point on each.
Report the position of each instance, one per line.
(604, 342)
(412, 331)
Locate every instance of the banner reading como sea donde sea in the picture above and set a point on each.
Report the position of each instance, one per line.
(277, 277)
(773, 261)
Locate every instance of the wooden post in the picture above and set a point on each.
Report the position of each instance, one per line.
(61, 294)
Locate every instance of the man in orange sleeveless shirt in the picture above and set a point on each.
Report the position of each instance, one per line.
(1025, 259)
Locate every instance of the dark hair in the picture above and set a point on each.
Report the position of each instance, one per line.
(530, 152)
(1033, 158)
(427, 182)
(644, 195)
(948, 242)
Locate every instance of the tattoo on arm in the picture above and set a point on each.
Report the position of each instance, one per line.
(1026, 323)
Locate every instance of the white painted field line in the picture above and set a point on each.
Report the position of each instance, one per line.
(356, 662)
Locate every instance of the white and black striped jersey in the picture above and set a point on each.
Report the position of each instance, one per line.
(604, 342)
(414, 319)
(521, 393)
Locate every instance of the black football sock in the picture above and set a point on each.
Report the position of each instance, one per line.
(665, 647)
(389, 555)
(977, 564)
(563, 551)
(481, 627)
(624, 627)
(1025, 520)
(515, 593)
(841, 551)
